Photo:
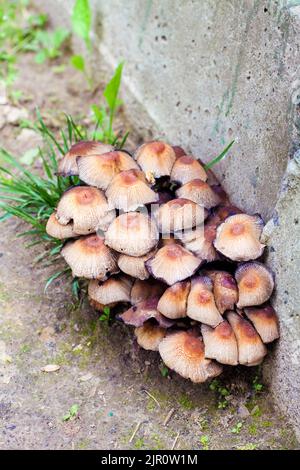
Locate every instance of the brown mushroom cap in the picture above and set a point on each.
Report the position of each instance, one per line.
(87, 207)
(172, 303)
(144, 290)
(135, 265)
(129, 190)
(57, 230)
(255, 284)
(99, 170)
(179, 152)
(238, 237)
(183, 352)
(201, 303)
(201, 243)
(144, 311)
(68, 164)
(133, 234)
(187, 168)
(179, 214)
(225, 291)
(115, 289)
(199, 192)
(220, 343)
(265, 322)
(89, 257)
(172, 263)
(149, 336)
(250, 346)
(155, 158)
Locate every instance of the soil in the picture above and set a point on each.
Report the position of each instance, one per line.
(116, 385)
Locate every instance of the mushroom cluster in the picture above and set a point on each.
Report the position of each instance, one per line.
(155, 232)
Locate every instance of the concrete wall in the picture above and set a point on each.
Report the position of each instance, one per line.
(201, 73)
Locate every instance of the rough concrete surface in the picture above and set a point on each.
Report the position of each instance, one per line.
(201, 73)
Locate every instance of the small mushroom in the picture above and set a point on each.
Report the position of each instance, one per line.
(149, 335)
(265, 322)
(135, 265)
(155, 158)
(250, 346)
(138, 314)
(255, 284)
(199, 192)
(179, 152)
(89, 257)
(172, 263)
(68, 164)
(238, 237)
(129, 190)
(179, 215)
(57, 230)
(172, 303)
(201, 303)
(220, 343)
(99, 170)
(183, 352)
(225, 291)
(133, 234)
(87, 207)
(115, 289)
(187, 168)
(200, 242)
(144, 290)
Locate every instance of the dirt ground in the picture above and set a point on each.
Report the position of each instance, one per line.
(116, 386)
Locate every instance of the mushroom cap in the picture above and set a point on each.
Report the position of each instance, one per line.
(144, 290)
(129, 190)
(135, 265)
(57, 230)
(255, 284)
(115, 289)
(238, 237)
(172, 263)
(250, 346)
(199, 192)
(155, 158)
(265, 322)
(179, 214)
(179, 152)
(89, 257)
(200, 242)
(138, 314)
(183, 352)
(149, 336)
(68, 164)
(98, 306)
(99, 170)
(225, 291)
(201, 303)
(187, 168)
(132, 234)
(87, 207)
(172, 303)
(221, 212)
(220, 343)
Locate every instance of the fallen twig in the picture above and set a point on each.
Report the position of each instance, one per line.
(169, 416)
(175, 441)
(135, 431)
(153, 398)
